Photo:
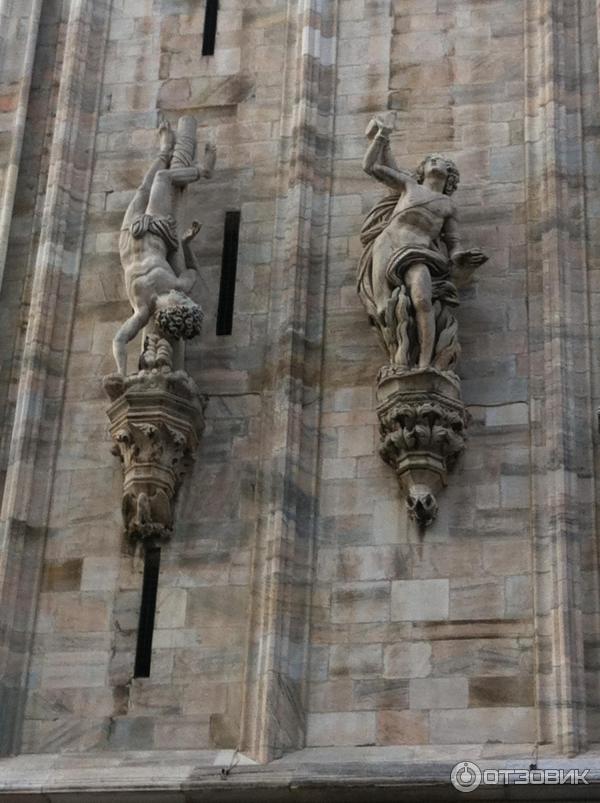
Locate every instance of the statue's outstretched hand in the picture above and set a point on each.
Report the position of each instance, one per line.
(469, 260)
(210, 158)
(465, 263)
(192, 232)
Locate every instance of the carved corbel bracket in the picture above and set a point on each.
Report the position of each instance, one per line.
(156, 420)
(422, 423)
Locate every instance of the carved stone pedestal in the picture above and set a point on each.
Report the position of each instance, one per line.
(422, 423)
(156, 419)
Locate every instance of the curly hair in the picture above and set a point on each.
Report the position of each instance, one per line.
(180, 321)
(452, 179)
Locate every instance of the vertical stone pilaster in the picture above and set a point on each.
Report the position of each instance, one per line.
(34, 440)
(16, 68)
(273, 709)
(562, 497)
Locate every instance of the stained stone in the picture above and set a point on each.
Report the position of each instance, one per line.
(500, 691)
(62, 577)
(303, 617)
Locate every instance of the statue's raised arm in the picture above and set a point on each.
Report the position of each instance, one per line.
(379, 161)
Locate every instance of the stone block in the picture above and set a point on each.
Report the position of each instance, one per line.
(219, 606)
(196, 697)
(377, 693)
(462, 556)
(487, 495)
(82, 612)
(171, 604)
(481, 656)
(355, 660)
(388, 518)
(476, 598)
(341, 728)
(223, 732)
(152, 699)
(436, 693)
(373, 563)
(519, 595)
(488, 692)
(99, 574)
(514, 492)
(182, 733)
(419, 600)
(360, 602)
(75, 669)
(65, 576)
(402, 727)
(506, 556)
(333, 695)
(407, 660)
(338, 468)
(508, 725)
(507, 415)
(356, 441)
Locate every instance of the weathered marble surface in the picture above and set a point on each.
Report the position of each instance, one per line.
(345, 774)
(265, 634)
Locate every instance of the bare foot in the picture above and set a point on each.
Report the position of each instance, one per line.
(166, 137)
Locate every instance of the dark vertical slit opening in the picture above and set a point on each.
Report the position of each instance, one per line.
(231, 238)
(210, 27)
(143, 653)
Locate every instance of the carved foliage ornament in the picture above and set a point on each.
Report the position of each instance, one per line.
(155, 434)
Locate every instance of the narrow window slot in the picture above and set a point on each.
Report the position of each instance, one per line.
(210, 27)
(231, 238)
(143, 654)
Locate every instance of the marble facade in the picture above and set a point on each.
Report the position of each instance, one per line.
(308, 634)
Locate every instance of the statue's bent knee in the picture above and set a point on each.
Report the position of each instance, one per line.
(421, 303)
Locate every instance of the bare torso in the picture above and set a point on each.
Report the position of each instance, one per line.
(140, 256)
(418, 219)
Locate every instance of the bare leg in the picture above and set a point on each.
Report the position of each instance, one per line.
(140, 200)
(178, 354)
(186, 281)
(161, 202)
(188, 236)
(125, 334)
(418, 280)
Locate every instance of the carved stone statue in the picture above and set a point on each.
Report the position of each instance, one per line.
(411, 246)
(157, 411)
(158, 272)
(411, 263)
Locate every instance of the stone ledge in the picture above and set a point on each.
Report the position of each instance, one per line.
(333, 774)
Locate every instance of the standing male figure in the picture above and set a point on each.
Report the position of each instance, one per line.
(411, 238)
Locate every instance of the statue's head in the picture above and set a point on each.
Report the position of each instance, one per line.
(437, 165)
(177, 316)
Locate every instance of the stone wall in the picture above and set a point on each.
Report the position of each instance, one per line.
(422, 638)
(81, 692)
(298, 606)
